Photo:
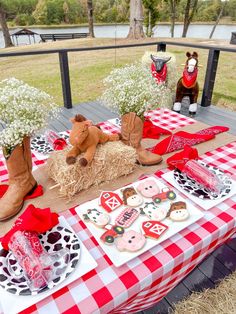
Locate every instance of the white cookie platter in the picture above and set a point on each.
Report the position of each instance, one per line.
(119, 258)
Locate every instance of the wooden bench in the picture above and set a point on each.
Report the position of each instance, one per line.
(62, 36)
(233, 38)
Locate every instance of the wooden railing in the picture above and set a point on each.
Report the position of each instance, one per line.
(211, 69)
(62, 36)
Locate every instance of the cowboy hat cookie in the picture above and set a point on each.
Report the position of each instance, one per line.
(153, 212)
(98, 218)
(131, 241)
(178, 211)
(148, 188)
(131, 197)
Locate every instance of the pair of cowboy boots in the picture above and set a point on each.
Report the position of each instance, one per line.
(131, 133)
(21, 181)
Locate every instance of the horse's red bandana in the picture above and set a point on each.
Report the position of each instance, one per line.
(189, 79)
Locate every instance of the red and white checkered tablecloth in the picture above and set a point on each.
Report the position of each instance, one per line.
(146, 279)
(163, 117)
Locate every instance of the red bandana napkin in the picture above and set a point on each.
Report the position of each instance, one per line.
(33, 219)
(59, 144)
(38, 191)
(153, 131)
(179, 160)
(178, 140)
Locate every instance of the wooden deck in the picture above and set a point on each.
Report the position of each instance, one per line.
(218, 264)
(97, 113)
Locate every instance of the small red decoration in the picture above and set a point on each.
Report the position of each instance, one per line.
(153, 229)
(110, 201)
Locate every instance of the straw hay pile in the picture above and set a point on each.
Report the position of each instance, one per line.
(112, 160)
(221, 300)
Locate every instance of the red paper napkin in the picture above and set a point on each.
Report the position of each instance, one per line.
(38, 191)
(33, 219)
(153, 131)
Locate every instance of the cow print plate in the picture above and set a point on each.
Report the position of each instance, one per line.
(192, 187)
(40, 145)
(53, 240)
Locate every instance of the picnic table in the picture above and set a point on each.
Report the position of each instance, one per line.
(146, 279)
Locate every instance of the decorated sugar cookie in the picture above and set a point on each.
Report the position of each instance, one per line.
(110, 201)
(165, 194)
(131, 197)
(148, 188)
(98, 218)
(127, 217)
(153, 212)
(153, 229)
(112, 232)
(178, 211)
(131, 241)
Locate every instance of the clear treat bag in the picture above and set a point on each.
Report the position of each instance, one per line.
(54, 140)
(203, 176)
(37, 265)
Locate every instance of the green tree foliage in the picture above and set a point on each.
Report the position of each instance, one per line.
(151, 15)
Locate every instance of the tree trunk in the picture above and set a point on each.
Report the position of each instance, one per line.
(173, 15)
(189, 16)
(5, 30)
(90, 17)
(136, 20)
(217, 20)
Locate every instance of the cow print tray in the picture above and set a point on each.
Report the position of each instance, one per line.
(192, 187)
(40, 145)
(53, 241)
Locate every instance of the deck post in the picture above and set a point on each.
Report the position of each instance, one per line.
(211, 69)
(161, 47)
(65, 79)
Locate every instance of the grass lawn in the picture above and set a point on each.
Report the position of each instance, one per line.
(87, 69)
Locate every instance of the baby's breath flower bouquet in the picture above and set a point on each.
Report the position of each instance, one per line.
(23, 111)
(133, 89)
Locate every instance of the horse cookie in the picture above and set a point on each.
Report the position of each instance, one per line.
(178, 211)
(148, 188)
(153, 212)
(131, 197)
(127, 217)
(98, 218)
(131, 241)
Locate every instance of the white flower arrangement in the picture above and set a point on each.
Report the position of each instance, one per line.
(23, 111)
(133, 89)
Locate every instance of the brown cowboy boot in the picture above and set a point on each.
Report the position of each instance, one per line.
(21, 181)
(131, 132)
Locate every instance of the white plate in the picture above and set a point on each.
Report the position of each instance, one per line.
(204, 203)
(119, 258)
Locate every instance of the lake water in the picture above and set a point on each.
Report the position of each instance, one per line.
(121, 31)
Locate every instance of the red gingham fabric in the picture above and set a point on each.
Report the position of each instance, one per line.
(163, 117)
(146, 279)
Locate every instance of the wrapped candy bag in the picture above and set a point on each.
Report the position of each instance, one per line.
(203, 176)
(54, 140)
(186, 162)
(36, 263)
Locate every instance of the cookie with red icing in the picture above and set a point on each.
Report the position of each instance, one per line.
(153, 229)
(127, 217)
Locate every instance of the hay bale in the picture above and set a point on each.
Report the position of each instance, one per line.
(112, 160)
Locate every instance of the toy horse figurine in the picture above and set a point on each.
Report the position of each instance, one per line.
(188, 85)
(159, 68)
